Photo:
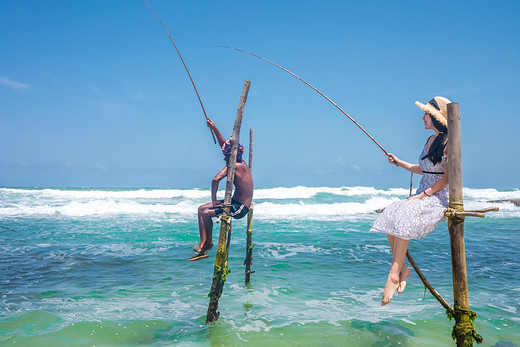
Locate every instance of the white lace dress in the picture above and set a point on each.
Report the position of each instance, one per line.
(414, 219)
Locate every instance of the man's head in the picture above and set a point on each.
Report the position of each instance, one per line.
(226, 150)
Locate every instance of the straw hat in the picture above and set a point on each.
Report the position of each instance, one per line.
(437, 107)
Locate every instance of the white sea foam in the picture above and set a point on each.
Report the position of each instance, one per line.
(272, 203)
(101, 207)
(195, 193)
(301, 192)
(490, 194)
(333, 309)
(298, 192)
(320, 211)
(283, 250)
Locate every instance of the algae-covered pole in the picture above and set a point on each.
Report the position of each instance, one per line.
(463, 330)
(221, 261)
(249, 230)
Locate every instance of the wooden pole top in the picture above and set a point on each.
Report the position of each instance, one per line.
(454, 156)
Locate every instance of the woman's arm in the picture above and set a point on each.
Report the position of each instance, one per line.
(392, 159)
(436, 187)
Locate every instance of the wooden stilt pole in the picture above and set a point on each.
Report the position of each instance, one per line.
(249, 245)
(251, 149)
(249, 231)
(463, 330)
(221, 262)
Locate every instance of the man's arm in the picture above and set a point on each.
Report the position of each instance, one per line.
(214, 184)
(213, 127)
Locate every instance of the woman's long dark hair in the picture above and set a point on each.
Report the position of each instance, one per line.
(436, 150)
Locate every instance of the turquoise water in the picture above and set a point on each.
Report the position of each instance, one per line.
(108, 267)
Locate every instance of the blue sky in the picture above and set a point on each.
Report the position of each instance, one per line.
(93, 94)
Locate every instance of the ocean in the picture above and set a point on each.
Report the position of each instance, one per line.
(108, 267)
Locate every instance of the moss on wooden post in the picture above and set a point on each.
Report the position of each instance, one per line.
(249, 244)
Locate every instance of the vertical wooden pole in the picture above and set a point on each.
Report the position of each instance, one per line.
(221, 262)
(251, 149)
(456, 229)
(249, 230)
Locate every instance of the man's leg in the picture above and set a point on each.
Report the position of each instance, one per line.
(205, 215)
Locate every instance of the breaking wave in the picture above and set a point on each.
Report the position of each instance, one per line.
(314, 203)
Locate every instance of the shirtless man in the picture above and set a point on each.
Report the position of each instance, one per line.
(240, 203)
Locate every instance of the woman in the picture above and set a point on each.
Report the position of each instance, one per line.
(420, 214)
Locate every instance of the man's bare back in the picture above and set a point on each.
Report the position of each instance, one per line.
(243, 184)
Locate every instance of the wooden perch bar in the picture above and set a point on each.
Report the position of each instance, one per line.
(477, 213)
(450, 212)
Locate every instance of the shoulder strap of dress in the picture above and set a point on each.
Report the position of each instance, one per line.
(428, 139)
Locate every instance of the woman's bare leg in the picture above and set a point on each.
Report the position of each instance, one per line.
(399, 249)
(405, 271)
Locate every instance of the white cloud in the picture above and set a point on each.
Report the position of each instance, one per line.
(340, 161)
(356, 167)
(13, 84)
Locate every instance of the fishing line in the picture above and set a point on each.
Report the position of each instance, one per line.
(9, 229)
(188, 71)
(310, 85)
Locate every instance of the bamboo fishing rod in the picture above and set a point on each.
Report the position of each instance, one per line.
(188, 71)
(310, 85)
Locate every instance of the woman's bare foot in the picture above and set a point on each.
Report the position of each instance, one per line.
(392, 283)
(405, 272)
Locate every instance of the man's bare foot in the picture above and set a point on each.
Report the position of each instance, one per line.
(392, 283)
(405, 272)
(200, 248)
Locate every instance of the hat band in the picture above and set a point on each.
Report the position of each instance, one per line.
(433, 102)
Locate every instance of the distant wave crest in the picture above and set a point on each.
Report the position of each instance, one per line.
(314, 203)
